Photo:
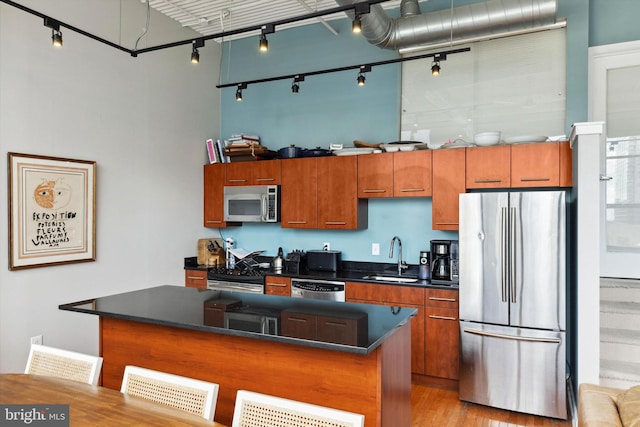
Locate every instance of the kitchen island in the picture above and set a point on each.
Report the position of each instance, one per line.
(163, 328)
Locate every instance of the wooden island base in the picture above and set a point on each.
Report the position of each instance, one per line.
(377, 384)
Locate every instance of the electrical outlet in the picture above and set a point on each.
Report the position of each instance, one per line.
(326, 246)
(36, 340)
(375, 249)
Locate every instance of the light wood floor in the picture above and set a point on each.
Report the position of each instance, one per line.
(431, 406)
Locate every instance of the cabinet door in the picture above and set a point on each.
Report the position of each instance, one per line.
(299, 193)
(443, 333)
(375, 175)
(535, 165)
(275, 285)
(338, 203)
(195, 279)
(448, 182)
(443, 337)
(412, 174)
(392, 295)
(488, 167)
(566, 164)
(214, 195)
(298, 325)
(239, 173)
(266, 172)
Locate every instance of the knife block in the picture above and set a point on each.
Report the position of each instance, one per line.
(210, 258)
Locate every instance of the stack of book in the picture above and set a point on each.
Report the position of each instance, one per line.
(215, 150)
(238, 148)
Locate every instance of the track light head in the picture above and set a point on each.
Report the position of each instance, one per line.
(195, 54)
(295, 87)
(361, 78)
(435, 65)
(56, 34)
(435, 68)
(264, 43)
(239, 91)
(356, 25)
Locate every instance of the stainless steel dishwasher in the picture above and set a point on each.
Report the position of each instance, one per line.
(328, 290)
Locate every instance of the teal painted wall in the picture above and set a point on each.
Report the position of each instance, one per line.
(332, 109)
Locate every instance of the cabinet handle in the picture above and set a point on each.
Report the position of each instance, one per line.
(265, 179)
(483, 181)
(335, 223)
(442, 317)
(442, 299)
(214, 221)
(296, 222)
(447, 223)
(335, 323)
(373, 191)
(411, 190)
(236, 180)
(277, 284)
(297, 319)
(534, 179)
(195, 278)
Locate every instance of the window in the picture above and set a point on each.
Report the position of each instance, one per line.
(514, 84)
(614, 97)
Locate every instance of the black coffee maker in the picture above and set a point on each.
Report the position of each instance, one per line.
(444, 262)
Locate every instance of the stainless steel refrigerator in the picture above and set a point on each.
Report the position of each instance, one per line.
(512, 301)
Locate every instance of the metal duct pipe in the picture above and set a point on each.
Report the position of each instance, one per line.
(475, 20)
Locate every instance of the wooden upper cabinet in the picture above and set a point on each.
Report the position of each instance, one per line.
(267, 172)
(412, 174)
(488, 167)
(238, 173)
(299, 204)
(448, 183)
(338, 203)
(375, 175)
(214, 175)
(535, 165)
(264, 172)
(566, 164)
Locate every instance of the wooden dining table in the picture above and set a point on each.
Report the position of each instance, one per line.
(91, 405)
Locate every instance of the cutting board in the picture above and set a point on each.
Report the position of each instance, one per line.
(208, 257)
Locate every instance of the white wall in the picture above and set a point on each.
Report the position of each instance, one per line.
(143, 120)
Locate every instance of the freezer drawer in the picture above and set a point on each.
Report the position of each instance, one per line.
(517, 369)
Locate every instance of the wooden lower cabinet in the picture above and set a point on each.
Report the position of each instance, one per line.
(195, 279)
(442, 334)
(396, 296)
(343, 328)
(274, 285)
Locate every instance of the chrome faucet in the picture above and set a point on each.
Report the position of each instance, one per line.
(401, 264)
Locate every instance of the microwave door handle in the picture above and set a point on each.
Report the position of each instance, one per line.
(264, 198)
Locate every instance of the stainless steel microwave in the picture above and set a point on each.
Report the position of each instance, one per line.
(259, 320)
(252, 203)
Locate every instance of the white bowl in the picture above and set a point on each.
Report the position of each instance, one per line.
(487, 138)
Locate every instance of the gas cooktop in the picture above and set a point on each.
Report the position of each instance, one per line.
(236, 275)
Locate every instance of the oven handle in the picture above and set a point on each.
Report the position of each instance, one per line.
(228, 286)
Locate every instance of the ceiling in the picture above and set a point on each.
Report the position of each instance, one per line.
(209, 17)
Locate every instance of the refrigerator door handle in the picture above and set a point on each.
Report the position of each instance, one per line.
(503, 251)
(511, 337)
(512, 254)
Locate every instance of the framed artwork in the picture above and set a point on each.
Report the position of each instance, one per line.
(52, 211)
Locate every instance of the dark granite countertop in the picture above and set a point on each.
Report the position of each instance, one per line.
(183, 307)
(353, 271)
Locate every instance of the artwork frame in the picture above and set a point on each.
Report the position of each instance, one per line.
(52, 210)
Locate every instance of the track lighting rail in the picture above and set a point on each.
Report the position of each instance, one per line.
(362, 5)
(366, 66)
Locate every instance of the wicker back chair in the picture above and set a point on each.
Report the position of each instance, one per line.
(55, 362)
(261, 410)
(187, 394)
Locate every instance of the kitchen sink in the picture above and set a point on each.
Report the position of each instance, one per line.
(388, 278)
